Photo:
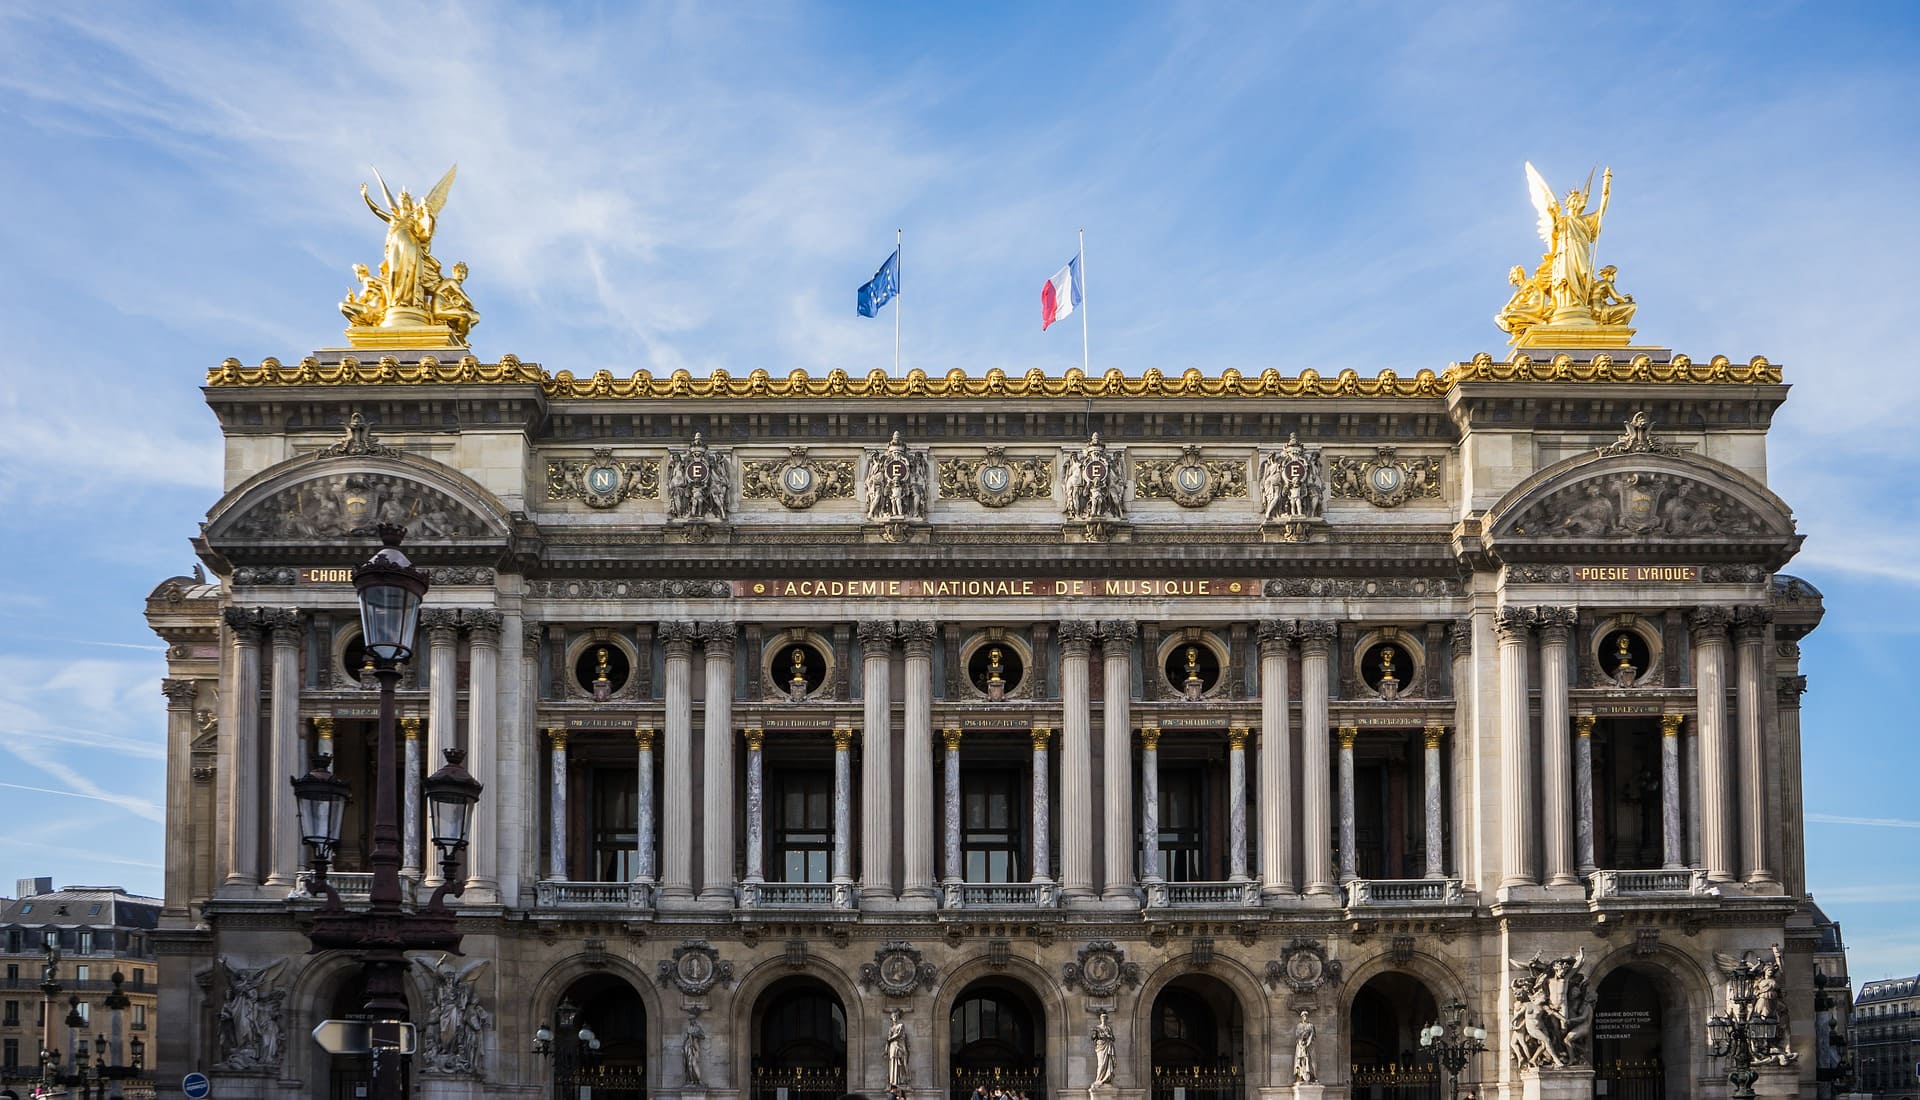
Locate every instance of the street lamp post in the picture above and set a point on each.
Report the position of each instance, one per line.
(1453, 1042)
(390, 590)
(1740, 1035)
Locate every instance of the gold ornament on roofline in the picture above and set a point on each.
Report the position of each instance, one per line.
(1565, 302)
(409, 302)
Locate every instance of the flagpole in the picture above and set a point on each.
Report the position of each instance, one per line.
(1085, 362)
(896, 303)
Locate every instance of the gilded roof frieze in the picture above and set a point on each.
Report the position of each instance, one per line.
(995, 383)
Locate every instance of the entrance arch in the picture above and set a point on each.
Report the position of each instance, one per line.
(1197, 1040)
(351, 1075)
(1383, 1039)
(799, 1028)
(996, 1038)
(1638, 1028)
(611, 1010)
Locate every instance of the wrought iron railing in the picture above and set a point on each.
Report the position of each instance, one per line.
(1198, 1083)
(1395, 1081)
(1029, 1082)
(1635, 1080)
(1202, 895)
(553, 894)
(826, 1083)
(1000, 895)
(605, 1083)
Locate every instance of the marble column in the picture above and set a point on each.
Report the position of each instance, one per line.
(1690, 791)
(716, 810)
(1583, 792)
(1750, 634)
(1150, 870)
(1316, 641)
(1042, 802)
(1719, 842)
(411, 796)
(240, 737)
(1276, 761)
(843, 807)
(483, 698)
(676, 764)
(756, 788)
(1515, 627)
(916, 799)
(283, 824)
(1466, 824)
(1436, 812)
(179, 819)
(1116, 696)
(950, 806)
(557, 806)
(1076, 762)
(876, 763)
(1789, 685)
(1672, 854)
(1556, 636)
(1349, 852)
(443, 654)
(519, 768)
(1236, 802)
(643, 861)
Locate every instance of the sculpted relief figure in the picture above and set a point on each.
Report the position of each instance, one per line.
(1094, 483)
(699, 483)
(1293, 482)
(1303, 1072)
(896, 483)
(693, 1049)
(450, 1037)
(1103, 1040)
(1552, 1020)
(250, 1018)
(899, 1051)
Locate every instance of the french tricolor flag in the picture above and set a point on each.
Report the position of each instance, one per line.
(1061, 294)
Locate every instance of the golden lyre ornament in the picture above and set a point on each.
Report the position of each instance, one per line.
(1565, 302)
(409, 302)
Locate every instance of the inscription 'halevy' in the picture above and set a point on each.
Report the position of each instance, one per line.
(1001, 587)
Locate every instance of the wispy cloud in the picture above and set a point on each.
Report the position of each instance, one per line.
(1877, 822)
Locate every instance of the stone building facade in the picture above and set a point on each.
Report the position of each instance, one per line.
(96, 933)
(1886, 1038)
(1177, 736)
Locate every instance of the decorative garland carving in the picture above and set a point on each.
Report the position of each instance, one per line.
(797, 481)
(356, 438)
(1189, 481)
(1303, 967)
(695, 968)
(1363, 587)
(625, 588)
(1101, 967)
(1385, 480)
(602, 480)
(996, 480)
(898, 970)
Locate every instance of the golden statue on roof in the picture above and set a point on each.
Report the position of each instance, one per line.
(1564, 302)
(409, 302)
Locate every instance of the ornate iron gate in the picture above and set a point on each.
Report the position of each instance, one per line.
(1631, 1081)
(825, 1083)
(1030, 1082)
(1394, 1081)
(1198, 1083)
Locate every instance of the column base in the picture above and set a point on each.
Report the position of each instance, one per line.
(1557, 1083)
(1777, 1082)
(241, 888)
(1313, 1091)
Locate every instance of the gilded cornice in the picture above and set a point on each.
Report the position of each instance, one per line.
(996, 383)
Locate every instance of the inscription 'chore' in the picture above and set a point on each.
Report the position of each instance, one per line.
(1001, 588)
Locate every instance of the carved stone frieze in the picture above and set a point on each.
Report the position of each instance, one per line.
(1189, 480)
(460, 574)
(696, 967)
(1094, 483)
(340, 504)
(1638, 504)
(1363, 587)
(996, 480)
(1101, 968)
(1385, 480)
(898, 970)
(1293, 484)
(1638, 438)
(602, 480)
(1303, 967)
(797, 481)
(265, 575)
(896, 483)
(625, 588)
(699, 483)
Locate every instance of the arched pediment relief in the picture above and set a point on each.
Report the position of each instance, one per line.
(327, 499)
(1645, 496)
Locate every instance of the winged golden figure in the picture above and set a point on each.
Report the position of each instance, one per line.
(1566, 292)
(409, 301)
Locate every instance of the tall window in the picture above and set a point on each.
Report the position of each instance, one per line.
(13, 941)
(83, 972)
(616, 824)
(991, 813)
(10, 1054)
(1182, 819)
(139, 976)
(12, 1018)
(802, 831)
(139, 1017)
(86, 942)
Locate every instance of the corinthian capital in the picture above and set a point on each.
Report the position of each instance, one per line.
(916, 636)
(1750, 623)
(675, 638)
(285, 623)
(1119, 632)
(242, 621)
(875, 633)
(1076, 636)
(717, 639)
(1317, 635)
(1556, 620)
(1513, 624)
(483, 625)
(1708, 623)
(1460, 637)
(1276, 635)
(442, 624)
(179, 693)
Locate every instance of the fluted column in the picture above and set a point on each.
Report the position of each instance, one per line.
(1150, 870)
(410, 798)
(1583, 792)
(179, 823)
(520, 770)
(755, 736)
(1556, 637)
(557, 806)
(1673, 856)
(443, 684)
(483, 695)
(876, 764)
(1316, 641)
(283, 824)
(240, 734)
(1720, 844)
(1042, 802)
(950, 806)
(1750, 635)
(1116, 652)
(1466, 823)
(716, 810)
(1276, 762)
(1436, 829)
(1515, 626)
(643, 863)
(1236, 802)
(916, 638)
(843, 806)
(676, 764)
(1076, 762)
(1349, 852)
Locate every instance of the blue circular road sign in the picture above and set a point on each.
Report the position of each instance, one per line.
(196, 1086)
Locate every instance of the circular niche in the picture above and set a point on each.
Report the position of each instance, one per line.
(797, 659)
(1625, 657)
(1388, 669)
(995, 660)
(601, 668)
(1191, 660)
(353, 659)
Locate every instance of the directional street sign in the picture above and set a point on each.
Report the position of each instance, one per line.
(196, 1086)
(360, 1036)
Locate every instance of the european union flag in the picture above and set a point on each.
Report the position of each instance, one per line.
(882, 287)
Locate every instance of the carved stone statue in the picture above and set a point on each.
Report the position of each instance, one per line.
(899, 1052)
(1303, 1072)
(693, 1049)
(250, 1033)
(1103, 1055)
(1565, 301)
(1552, 1020)
(699, 483)
(1293, 482)
(1761, 979)
(450, 1037)
(1094, 484)
(408, 295)
(896, 483)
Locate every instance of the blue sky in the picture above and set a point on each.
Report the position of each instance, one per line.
(704, 185)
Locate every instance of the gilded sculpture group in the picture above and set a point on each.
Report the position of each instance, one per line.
(410, 291)
(1565, 301)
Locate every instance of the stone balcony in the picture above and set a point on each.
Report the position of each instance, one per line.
(837, 896)
(1000, 895)
(1233, 894)
(1382, 893)
(1667, 883)
(627, 896)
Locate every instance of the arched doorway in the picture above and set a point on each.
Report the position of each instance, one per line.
(1383, 1030)
(1198, 1040)
(799, 1042)
(997, 1036)
(1630, 1040)
(600, 1041)
(350, 1076)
